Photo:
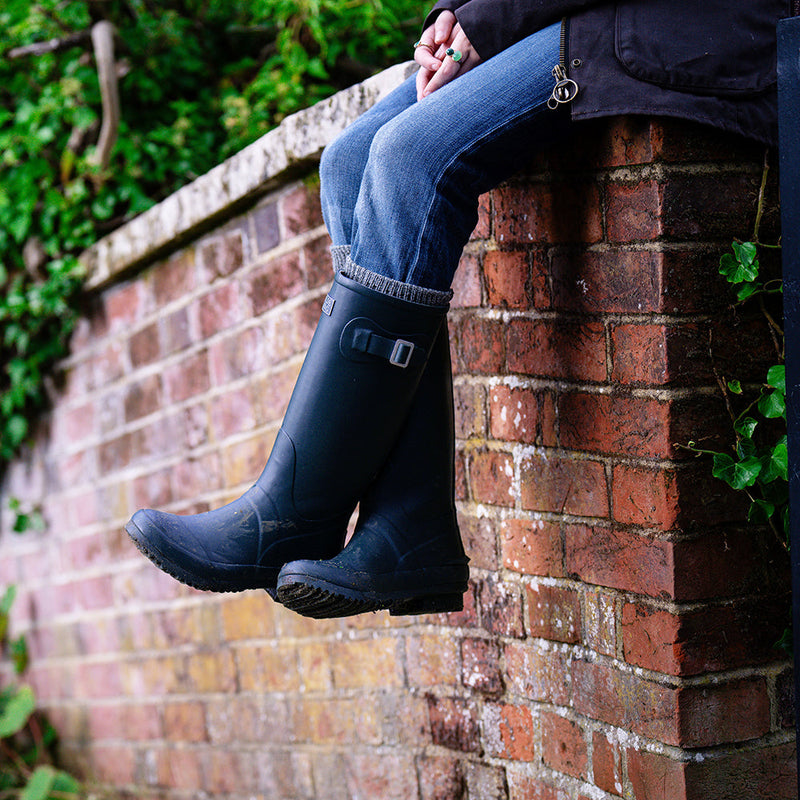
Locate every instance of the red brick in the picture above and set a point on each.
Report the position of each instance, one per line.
(729, 563)
(440, 778)
(522, 415)
(697, 207)
(481, 345)
(600, 621)
(626, 700)
(509, 732)
(112, 764)
(616, 424)
(187, 378)
(557, 349)
(563, 485)
(300, 210)
(232, 412)
(483, 228)
(174, 278)
(645, 496)
(275, 282)
(563, 745)
(621, 559)
(238, 355)
(125, 304)
(639, 354)
(433, 660)
(532, 547)
(702, 640)
(606, 767)
(180, 769)
(607, 282)
(222, 256)
(547, 213)
(481, 670)
(537, 674)
(554, 613)
(763, 772)
(143, 397)
(177, 331)
(625, 141)
(491, 474)
(467, 283)
(317, 264)
(267, 226)
(649, 354)
(480, 541)
(521, 786)
(507, 276)
(144, 346)
(469, 402)
(729, 712)
(656, 777)
(633, 211)
(221, 308)
(501, 607)
(185, 722)
(454, 724)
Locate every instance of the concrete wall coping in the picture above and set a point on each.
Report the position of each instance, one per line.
(292, 146)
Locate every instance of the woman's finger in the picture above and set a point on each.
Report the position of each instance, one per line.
(443, 27)
(459, 58)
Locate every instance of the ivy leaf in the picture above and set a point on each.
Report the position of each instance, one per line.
(772, 405)
(776, 463)
(737, 474)
(776, 377)
(40, 784)
(16, 712)
(742, 265)
(760, 511)
(735, 387)
(746, 427)
(747, 290)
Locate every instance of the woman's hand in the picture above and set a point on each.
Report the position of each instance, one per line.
(437, 67)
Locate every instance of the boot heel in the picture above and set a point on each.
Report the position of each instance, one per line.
(428, 604)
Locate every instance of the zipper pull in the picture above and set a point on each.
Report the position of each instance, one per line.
(565, 89)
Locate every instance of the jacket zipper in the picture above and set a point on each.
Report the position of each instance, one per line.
(565, 89)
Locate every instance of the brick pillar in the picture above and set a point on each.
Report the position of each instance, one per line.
(590, 331)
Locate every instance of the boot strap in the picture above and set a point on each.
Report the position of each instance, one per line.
(362, 336)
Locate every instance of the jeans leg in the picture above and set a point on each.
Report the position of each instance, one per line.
(343, 161)
(427, 165)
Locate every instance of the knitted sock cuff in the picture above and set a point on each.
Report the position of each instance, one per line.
(339, 254)
(394, 288)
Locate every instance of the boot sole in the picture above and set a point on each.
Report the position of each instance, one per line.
(184, 577)
(320, 599)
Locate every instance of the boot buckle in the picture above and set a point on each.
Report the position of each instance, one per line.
(401, 353)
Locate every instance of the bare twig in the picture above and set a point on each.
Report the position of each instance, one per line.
(762, 191)
(103, 42)
(50, 46)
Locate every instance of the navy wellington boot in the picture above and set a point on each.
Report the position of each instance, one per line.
(406, 553)
(352, 395)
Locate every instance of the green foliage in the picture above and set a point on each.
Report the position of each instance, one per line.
(758, 464)
(26, 771)
(198, 80)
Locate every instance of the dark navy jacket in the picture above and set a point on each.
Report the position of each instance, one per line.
(712, 61)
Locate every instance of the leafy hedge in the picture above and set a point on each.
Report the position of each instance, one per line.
(198, 80)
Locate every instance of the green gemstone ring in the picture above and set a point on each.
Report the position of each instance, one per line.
(456, 55)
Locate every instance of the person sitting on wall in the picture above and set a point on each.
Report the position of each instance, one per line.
(370, 420)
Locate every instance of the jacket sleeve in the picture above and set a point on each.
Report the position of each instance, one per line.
(493, 25)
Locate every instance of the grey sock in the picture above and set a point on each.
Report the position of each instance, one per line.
(339, 254)
(394, 288)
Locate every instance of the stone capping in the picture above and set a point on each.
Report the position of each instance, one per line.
(296, 143)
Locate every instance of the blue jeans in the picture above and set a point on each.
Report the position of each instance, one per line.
(401, 185)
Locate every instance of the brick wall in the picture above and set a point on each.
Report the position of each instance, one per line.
(617, 639)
